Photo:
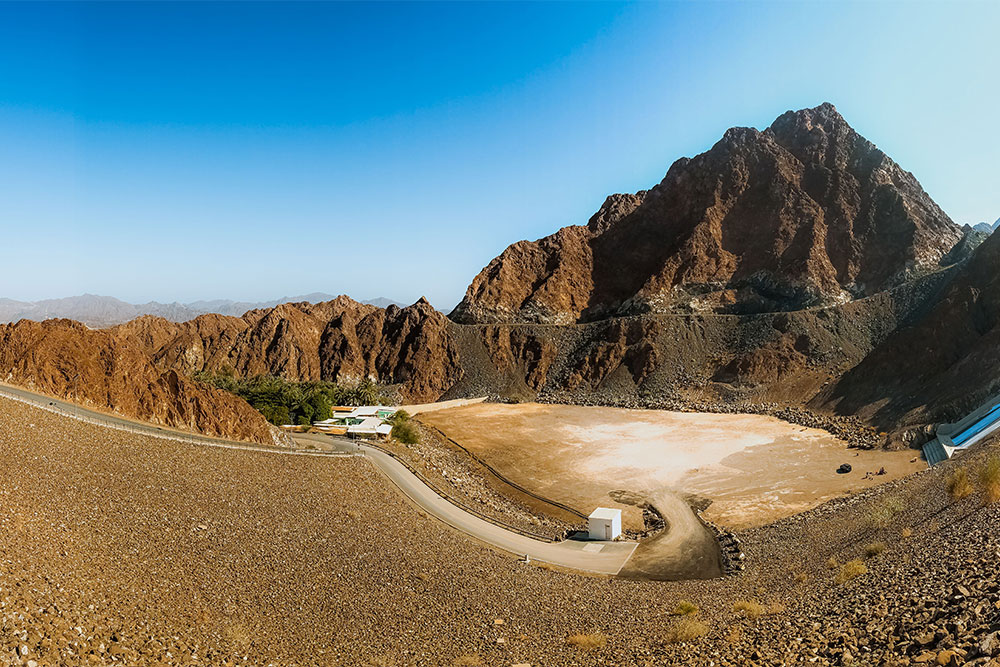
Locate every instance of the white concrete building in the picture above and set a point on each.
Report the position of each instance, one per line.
(605, 524)
(363, 422)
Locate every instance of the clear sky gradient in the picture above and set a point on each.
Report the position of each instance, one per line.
(186, 151)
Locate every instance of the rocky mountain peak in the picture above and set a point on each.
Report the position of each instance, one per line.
(805, 213)
(614, 208)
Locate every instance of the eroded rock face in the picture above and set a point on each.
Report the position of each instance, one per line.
(805, 213)
(410, 347)
(109, 370)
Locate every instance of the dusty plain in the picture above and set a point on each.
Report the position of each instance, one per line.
(754, 469)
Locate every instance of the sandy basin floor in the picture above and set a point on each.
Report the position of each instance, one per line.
(753, 468)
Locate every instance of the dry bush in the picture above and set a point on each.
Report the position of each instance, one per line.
(749, 608)
(989, 477)
(753, 609)
(588, 642)
(874, 549)
(882, 514)
(907, 532)
(832, 563)
(685, 608)
(801, 577)
(237, 635)
(685, 630)
(851, 570)
(958, 484)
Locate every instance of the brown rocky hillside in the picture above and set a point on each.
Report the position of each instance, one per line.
(805, 213)
(109, 371)
(410, 347)
(694, 294)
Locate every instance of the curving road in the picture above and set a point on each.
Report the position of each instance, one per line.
(586, 556)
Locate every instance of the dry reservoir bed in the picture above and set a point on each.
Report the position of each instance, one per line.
(754, 469)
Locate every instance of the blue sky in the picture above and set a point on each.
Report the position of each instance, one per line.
(185, 151)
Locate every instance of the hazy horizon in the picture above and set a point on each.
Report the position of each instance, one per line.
(185, 152)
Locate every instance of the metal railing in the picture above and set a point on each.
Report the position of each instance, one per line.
(503, 478)
(454, 501)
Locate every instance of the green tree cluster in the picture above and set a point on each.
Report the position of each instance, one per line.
(403, 429)
(282, 401)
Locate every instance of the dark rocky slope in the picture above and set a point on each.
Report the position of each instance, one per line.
(708, 277)
(939, 367)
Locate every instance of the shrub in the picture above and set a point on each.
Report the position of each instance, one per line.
(685, 630)
(588, 642)
(750, 609)
(399, 417)
(832, 563)
(989, 477)
(801, 577)
(907, 532)
(874, 549)
(685, 608)
(882, 514)
(852, 569)
(958, 484)
(406, 432)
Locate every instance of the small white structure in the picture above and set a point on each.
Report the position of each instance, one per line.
(605, 524)
(368, 428)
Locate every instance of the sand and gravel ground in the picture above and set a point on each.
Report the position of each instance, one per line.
(121, 549)
(753, 468)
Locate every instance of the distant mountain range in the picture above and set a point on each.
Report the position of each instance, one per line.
(986, 227)
(103, 311)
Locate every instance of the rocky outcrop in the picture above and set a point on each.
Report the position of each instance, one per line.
(408, 348)
(805, 213)
(733, 282)
(109, 371)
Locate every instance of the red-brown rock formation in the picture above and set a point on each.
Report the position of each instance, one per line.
(408, 347)
(807, 212)
(109, 370)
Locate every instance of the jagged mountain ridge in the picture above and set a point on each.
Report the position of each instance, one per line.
(333, 340)
(104, 311)
(850, 223)
(805, 213)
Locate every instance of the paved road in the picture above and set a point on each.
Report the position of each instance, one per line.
(586, 556)
(114, 421)
(596, 557)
